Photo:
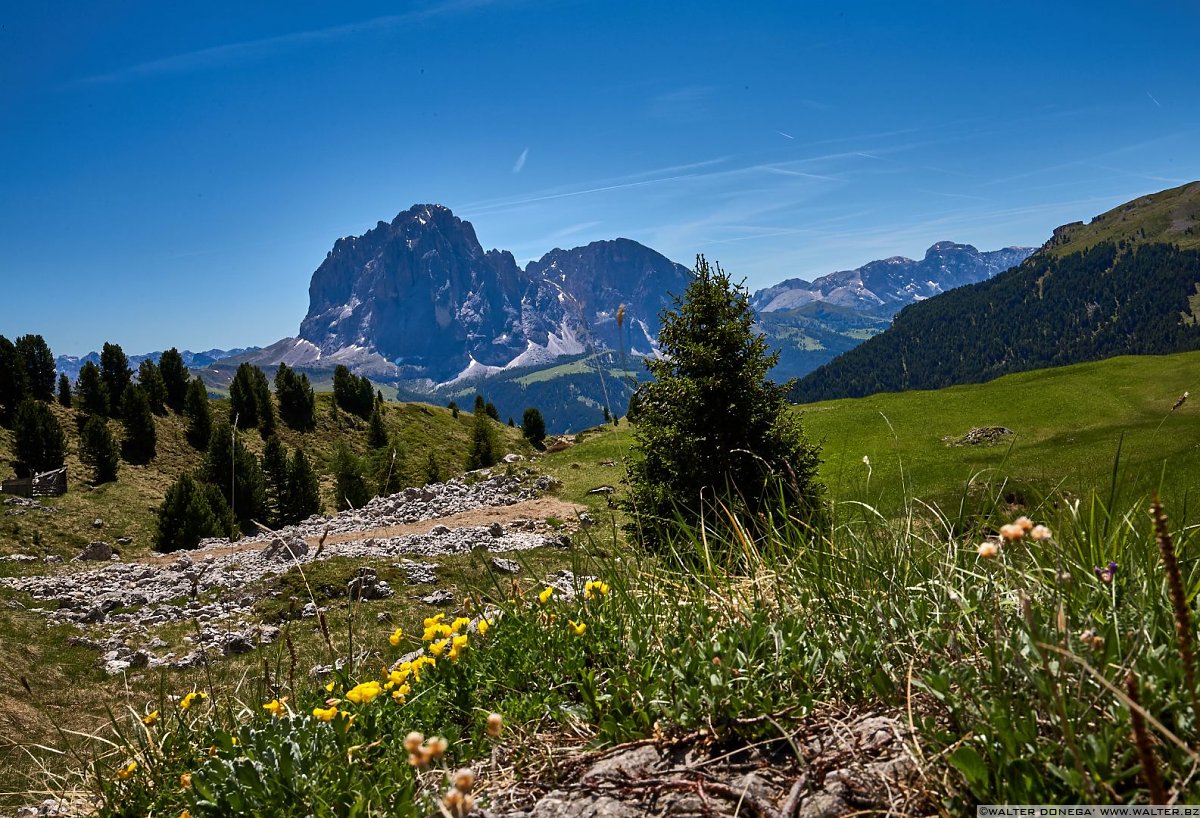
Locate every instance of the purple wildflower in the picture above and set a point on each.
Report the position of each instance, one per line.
(1106, 574)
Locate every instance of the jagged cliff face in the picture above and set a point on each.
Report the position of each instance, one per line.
(884, 287)
(422, 293)
(605, 275)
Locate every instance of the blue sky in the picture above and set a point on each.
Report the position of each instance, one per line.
(173, 177)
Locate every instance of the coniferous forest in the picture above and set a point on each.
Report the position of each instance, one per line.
(1108, 300)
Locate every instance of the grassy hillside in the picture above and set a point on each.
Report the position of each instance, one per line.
(1067, 424)
(127, 507)
(1171, 216)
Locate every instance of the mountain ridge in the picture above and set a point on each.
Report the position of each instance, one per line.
(1126, 283)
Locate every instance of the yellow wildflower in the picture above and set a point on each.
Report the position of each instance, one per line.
(185, 780)
(400, 693)
(400, 675)
(437, 647)
(545, 595)
(150, 719)
(185, 814)
(276, 707)
(325, 713)
(127, 771)
(595, 588)
(482, 627)
(396, 636)
(458, 624)
(364, 693)
(577, 628)
(329, 687)
(192, 698)
(431, 621)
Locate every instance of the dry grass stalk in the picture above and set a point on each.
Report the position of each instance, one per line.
(1183, 616)
(1141, 739)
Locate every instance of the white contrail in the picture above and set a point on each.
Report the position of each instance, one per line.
(520, 163)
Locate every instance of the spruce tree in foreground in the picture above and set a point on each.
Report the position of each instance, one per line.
(98, 449)
(711, 428)
(140, 442)
(64, 390)
(192, 511)
(38, 439)
(198, 413)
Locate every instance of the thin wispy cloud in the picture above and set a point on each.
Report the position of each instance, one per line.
(520, 163)
(248, 50)
(786, 135)
(1152, 99)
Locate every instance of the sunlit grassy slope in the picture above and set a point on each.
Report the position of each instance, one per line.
(1068, 425)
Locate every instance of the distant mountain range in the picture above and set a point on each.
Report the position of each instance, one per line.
(419, 304)
(882, 288)
(1126, 283)
(71, 364)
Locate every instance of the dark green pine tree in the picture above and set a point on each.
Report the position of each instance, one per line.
(93, 394)
(140, 442)
(151, 381)
(483, 441)
(433, 469)
(39, 366)
(175, 378)
(492, 411)
(377, 436)
(236, 472)
(243, 398)
(38, 440)
(387, 468)
(297, 404)
(12, 380)
(275, 474)
(350, 486)
(116, 375)
(198, 413)
(712, 427)
(98, 449)
(192, 511)
(533, 426)
(64, 390)
(303, 497)
(453, 407)
(263, 403)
